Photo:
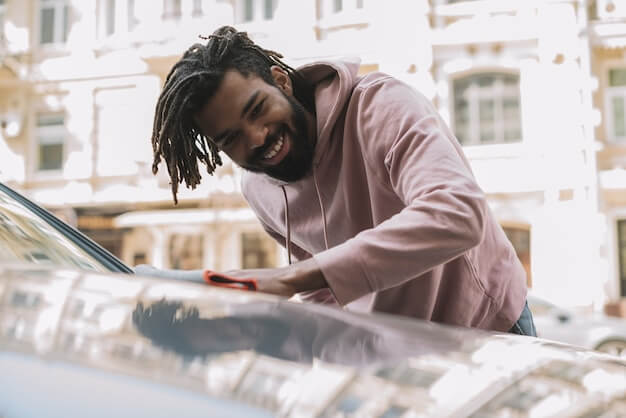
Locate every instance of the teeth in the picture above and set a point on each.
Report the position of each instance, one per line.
(274, 150)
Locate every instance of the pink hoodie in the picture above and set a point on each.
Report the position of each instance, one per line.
(391, 212)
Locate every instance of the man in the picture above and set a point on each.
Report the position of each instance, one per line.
(357, 176)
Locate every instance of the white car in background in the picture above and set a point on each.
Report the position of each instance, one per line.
(594, 331)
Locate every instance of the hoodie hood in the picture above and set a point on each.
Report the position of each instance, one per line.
(333, 83)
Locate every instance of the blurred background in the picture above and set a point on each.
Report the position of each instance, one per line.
(534, 90)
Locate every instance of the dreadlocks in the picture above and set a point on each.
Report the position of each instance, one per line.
(191, 82)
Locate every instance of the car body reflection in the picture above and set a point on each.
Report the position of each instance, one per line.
(286, 331)
(79, 344)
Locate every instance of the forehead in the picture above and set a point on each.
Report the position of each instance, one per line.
(224, 109)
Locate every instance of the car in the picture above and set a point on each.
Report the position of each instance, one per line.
(594, 331)
(76, 343)
(31, 234)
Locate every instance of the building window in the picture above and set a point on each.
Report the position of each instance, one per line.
(621, 242)
(487, 109)
(248, 10)
(50, 140)
(255, 10)
(132, 15)
(109, 17)
(54, 21)
(112, 21)
(256, 251)
(185, 251)
(269, 6)
(337, 6)
(171, 9)
(20, 299)
(616, 104)
(140, 258)
(2, 12)
(197, 8)
(520, 238)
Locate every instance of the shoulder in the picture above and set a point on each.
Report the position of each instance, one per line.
(379, 88)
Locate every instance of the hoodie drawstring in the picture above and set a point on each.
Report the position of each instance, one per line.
(319, 199)
(288, 241)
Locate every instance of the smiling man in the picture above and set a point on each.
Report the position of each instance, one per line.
(357, 176)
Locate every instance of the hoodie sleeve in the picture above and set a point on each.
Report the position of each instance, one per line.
(322, 296)
(410, 150)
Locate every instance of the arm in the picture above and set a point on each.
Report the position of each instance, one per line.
(300, 277)
(406, 143)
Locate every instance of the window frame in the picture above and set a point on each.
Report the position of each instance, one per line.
(176, 11)
(272, 3)
(124, 20)
(50, 132)
(474, 120)
(197, 8)
(258, 11)
(60, 28)
(244, 11)
(264, 246)
(185, 241)
(611, 93)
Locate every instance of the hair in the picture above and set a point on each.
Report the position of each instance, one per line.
(191, 82)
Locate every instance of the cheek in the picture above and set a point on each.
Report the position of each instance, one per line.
(237, 153)
(281, 111)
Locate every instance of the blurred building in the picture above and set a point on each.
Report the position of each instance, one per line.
(534, 90)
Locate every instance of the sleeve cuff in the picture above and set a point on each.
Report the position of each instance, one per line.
(343, 272)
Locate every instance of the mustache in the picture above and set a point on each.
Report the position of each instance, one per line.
(270, 140)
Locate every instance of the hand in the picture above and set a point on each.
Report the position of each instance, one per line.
(267, 280)
(285, 281)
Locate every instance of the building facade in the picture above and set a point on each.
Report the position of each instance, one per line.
(540, 112)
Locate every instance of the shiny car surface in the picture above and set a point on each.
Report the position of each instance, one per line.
(31, 234)
(76, 343)
(594, 331)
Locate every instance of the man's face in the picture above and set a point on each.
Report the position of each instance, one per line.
(260, 126)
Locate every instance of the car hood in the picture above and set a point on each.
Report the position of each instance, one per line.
(288, 358)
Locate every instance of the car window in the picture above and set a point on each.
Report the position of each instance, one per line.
(24, 237)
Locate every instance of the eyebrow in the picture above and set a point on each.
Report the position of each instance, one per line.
(250, 102)
(246, 108)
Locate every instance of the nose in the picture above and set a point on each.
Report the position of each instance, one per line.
(256, 134)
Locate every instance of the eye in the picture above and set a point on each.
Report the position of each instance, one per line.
(256, 111)
(228, 141)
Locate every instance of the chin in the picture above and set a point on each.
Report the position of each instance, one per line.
(291, 172)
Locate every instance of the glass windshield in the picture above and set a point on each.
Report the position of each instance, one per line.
(24, 237)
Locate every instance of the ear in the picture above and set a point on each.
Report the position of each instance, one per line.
(282, 79)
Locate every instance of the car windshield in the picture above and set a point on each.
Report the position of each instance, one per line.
(25, 237)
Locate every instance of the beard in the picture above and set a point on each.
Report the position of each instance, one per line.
(297, 163)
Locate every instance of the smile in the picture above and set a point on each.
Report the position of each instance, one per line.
(272, 152)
